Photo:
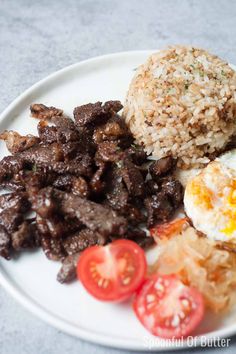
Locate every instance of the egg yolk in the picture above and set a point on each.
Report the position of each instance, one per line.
(232, 194)
(231, 210)
(203, 195)
(230, 228)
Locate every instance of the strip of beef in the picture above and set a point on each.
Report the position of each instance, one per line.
(49, 221)
(5, 243)
(66, 129)
(143, 170)
(95, 113)
(109, 151)
(174, 190)
(81, 146)
(112, 106)
(130, 211)
(52, 226)
(36, 179)
(134, 214)
(47, 134)
(152, 187)
(159, 209)
(114, 130)
(10, 219)
(93, 215)
(116, 193)
(40, 111)
(120, 181)
(72, 150)
(71, 225)
(12, 209)
(80, 187)
(40, 158)
(118, 198)
(48, 218)
(97, 182)
(42, 226)
(17, 143)
(9, 166)
(44, 203)
(63, 131)
(17, 201)
(140, 237)
(57, 227)
(82, 165)
(67, 273)
(52, 156)
(26, 236)
(13, 186)
(32, 182)
(63, 122)
(43, 155)
(108, 132)
(137, 154)
(132, 177)
(52, 247)
(144, 242)
(49, 159)
(82, 240)
(75, 185)
(91, 113)
(162, 167)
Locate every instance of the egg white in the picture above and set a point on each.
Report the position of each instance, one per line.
(210, 199)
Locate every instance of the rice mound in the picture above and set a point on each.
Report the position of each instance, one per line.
(182, 102)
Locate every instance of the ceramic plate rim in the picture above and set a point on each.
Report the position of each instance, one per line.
(39, 310)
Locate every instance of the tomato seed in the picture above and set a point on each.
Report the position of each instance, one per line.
(150, 298)
(100, 282)
(105, 283)
(158, 286)
(176, 321)
(126, 281)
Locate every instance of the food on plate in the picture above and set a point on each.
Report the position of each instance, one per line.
(168, 229)
(40, 111)
(182, 102)
(67, 273)
(113, 272)
(94, 191)
(167, 307)
(210, 199)
(16, 142)
(86, 183)
(199, 263)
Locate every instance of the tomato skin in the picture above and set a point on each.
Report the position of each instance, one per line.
(154, 316)
(113, 272)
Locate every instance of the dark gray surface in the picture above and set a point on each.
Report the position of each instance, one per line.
(38, 39)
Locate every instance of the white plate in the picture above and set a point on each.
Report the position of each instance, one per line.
(31, 278)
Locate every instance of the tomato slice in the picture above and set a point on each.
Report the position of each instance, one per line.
(112, 272)
(168, 308)
(168, 229)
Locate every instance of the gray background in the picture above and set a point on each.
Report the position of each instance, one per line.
(37, 39)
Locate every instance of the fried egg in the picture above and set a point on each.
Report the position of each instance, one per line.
(210, 199)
